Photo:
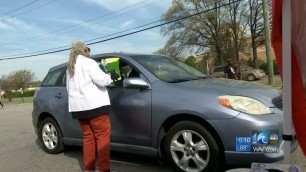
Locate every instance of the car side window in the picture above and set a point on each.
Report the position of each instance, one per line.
(63, 79)
(54, 79)
(118, 69)
(219, 69)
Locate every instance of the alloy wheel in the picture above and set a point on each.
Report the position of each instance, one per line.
(49, 136)
(189, 150)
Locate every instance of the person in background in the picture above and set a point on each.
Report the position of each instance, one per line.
(229, 70)
(89, 103)
(238, 71)
(0, 99)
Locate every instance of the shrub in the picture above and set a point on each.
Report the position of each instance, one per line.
(264, 67)
(17, 94)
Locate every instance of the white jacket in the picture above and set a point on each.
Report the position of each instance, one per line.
(87, 88)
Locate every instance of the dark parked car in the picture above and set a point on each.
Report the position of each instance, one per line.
(165, 108)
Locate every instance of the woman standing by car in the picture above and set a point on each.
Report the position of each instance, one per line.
(89, 103)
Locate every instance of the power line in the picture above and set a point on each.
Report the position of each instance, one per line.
(96, 38)
(56, 51)
(34, 8)
(12, 49)
(116, 37)
(73, 26)
(6, 13)
(93, 39)
(76, 25)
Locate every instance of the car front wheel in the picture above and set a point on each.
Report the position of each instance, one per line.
(189, 147)
(50, 136)
(251, 77)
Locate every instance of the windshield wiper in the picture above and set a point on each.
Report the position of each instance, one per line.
(187, 79)
(179, 80)
(201, 77)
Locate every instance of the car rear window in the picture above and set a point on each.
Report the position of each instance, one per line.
(53, 79)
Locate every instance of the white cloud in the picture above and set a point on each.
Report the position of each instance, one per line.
(99, 27)
(67, 21)
(15, 29)
(113, 5)
(4, 26)
(147, 9)
(151, 34)
(16, 24)
(126, 24)
(165, 4)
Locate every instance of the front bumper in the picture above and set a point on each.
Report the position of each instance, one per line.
(244, 126)
(243, 158)
(259, 75)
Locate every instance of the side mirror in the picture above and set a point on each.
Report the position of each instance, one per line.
(134, 82)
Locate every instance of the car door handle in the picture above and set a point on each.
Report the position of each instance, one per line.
(58, 96)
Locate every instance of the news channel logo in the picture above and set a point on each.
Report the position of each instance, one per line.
(265, 140)
(265, 137)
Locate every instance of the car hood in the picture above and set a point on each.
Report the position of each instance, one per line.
(235, 87)
(254, 70)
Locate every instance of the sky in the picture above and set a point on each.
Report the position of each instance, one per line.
(29, 26)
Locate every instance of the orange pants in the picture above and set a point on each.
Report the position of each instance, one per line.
(96, 139)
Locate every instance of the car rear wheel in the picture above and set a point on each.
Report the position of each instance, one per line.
(50, 136)
(189, 147)
(251, 77)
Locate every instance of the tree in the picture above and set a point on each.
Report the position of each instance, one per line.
(35, 83)
(255, 23)
(6, 85)
(21, 78)
(191, 60)
(171, 49)
(205, 30)
(237, 24)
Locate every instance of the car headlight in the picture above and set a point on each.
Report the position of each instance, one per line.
(244, 104)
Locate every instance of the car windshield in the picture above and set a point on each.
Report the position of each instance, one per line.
(169, 69)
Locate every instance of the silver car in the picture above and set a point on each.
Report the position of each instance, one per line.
(247, 73)
(168, 109)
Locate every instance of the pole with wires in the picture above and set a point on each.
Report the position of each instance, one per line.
(286, 34)
(268, 42)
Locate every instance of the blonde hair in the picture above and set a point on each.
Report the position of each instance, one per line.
(76, 49)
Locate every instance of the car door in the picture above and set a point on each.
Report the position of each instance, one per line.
(59, 106)
(219, 72)
(130, 107)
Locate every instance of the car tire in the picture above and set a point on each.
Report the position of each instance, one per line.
(50, 136)
(251, 77)
(188, 155)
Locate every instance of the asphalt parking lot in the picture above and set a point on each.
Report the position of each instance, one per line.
(20, 150)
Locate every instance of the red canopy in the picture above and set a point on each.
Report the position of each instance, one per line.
(298, 54)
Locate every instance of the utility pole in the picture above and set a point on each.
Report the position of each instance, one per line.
(268, 42)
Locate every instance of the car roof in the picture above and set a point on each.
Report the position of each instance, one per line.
(103, 55)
